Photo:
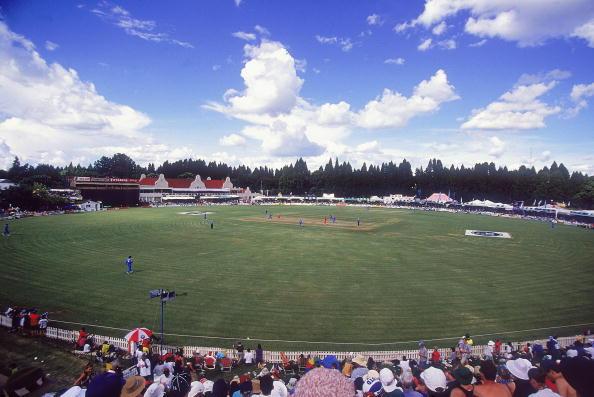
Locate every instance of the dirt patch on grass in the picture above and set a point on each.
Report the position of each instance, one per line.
(315, 222)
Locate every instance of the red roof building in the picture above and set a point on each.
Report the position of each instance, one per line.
(161, 188)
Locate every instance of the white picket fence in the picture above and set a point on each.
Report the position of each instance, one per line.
(273, 356)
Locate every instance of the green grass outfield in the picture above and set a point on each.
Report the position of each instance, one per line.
(401, 276)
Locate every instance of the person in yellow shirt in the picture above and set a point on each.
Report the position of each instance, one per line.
(469, 340)
(104, 348)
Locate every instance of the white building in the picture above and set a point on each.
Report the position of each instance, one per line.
(90, 206)
(398, 198)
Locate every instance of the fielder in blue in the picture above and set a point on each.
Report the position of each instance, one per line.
(129, 263)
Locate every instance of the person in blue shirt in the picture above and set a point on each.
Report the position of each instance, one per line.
(6, 230)
(129, 263)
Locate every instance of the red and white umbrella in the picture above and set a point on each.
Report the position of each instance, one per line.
(138, 334)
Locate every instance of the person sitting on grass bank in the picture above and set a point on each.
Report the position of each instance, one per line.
(85, 377)
(82, 339)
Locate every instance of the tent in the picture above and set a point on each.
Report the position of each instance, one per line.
(439, 198)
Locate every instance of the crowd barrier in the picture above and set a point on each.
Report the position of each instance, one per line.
(275, 356)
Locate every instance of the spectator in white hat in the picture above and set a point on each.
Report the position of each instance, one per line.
(520, 386)
(571, 353)
(196, 389)
(435, 382)
(488, 352)
(389, 384)
(157, 389)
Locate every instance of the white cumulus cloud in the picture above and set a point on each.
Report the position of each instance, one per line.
(578, 94)
(528, 22)
(232, 140)
(271, 82)
(393, 109)
(519, 109)
(48, 114)
(497, 147)
(286, 124)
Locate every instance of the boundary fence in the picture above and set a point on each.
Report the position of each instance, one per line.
(273, 356)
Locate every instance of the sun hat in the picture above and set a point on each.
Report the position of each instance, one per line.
(133, 386)
(434, 379)
(195, 388)
(519, 368)
(360, 360)
(491, 343)
(326, 382)
(388, 380)
(463, 375)
(571, 353)
(155, 390)
(208, 386)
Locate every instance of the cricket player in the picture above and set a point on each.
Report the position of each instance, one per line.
(129, 263)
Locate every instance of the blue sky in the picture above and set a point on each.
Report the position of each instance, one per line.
(265, 82)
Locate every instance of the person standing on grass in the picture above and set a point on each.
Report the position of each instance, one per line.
(6, 231)
(129, 263)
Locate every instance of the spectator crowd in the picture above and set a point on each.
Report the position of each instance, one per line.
(502, 370)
